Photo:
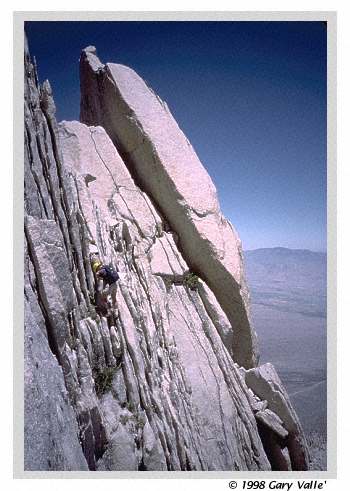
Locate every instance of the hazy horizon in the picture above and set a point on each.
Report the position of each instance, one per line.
(250, 97)
(288, 248)
(288, 299)
(324, 251)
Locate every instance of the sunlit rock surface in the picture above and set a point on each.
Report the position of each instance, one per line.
(160, 385)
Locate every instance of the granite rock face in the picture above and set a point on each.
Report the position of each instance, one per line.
(51, 438)
(168, 169)
(158, 385)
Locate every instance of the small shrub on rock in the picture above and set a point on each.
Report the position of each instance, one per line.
(191, 281)
(103, 380)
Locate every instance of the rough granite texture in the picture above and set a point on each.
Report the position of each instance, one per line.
(168, 169)
(177, 397)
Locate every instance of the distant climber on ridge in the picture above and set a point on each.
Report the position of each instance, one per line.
(106, 278)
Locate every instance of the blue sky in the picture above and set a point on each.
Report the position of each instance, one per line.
(250, 96)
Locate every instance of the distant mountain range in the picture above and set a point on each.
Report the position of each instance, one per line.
(288, 290)
(288, 279)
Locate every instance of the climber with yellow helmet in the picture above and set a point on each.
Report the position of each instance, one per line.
(106, 280)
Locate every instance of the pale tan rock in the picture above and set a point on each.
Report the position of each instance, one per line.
(155, 386)
(216, 315)
(120, 454)
(165, 259)
(153, 455)
(168, 169)
(265, 382)
(272, 421)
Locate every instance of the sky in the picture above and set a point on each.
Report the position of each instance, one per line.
(250, 96)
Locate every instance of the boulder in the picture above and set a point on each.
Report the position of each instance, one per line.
(272, 421)
(265, 383)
